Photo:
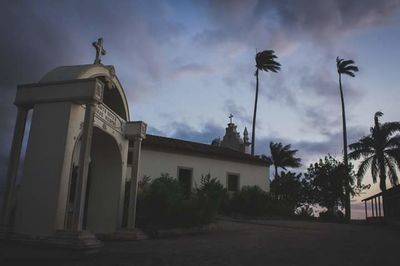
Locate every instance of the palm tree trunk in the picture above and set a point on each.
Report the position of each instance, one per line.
(253, 131)
(382, 172)
(345, 158)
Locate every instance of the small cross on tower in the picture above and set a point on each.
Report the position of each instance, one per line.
(99, 50)
(230, 118)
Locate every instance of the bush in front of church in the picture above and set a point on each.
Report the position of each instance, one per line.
(165, 205)
(249, 201)
(161, 201)
(209, 196)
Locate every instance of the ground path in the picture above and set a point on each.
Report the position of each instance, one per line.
(265, 243)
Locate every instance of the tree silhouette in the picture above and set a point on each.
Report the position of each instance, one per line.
(265, 61)
(380, 151)
(346, 67)
(282, 157)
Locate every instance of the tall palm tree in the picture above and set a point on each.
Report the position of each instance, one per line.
(282, 157)
(346, 67)
(380, 151)
(265, 60)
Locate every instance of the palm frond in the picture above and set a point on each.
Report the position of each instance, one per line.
(363, 148)
(389, 128)
(392, 174)
(349, 73)
(345, 63)
(362, 169)
(265, 60)
(357, 154)
(351, 68)
(346, 67)
(393, 142)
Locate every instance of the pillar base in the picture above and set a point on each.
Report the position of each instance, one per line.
(5, 231)
(124, 235)
(75, 240)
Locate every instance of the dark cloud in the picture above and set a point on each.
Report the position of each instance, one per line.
(179, 130)
(37, 37)
(205, 135)
(318, 21)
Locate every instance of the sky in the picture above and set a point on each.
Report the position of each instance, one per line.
(186, 65)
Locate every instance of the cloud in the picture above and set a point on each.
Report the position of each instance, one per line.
(240, 113)
(290, 21)
(191, 70)
(311, 150)
(208, 132)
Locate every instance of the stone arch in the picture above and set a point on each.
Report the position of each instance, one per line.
(114, 94)
(102, 212)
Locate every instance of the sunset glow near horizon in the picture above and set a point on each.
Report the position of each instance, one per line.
(186, 65)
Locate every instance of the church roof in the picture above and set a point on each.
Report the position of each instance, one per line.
(178, 145)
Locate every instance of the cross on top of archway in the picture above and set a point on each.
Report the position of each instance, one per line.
(99, 50)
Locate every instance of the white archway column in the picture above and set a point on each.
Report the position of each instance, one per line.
(84, 154)
(12, 172)
(134, 182)
(135, 131)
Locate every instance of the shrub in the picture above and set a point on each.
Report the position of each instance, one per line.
(305, 212)
(209, 196)
(163, 203)
(250, 200)
(329, 216)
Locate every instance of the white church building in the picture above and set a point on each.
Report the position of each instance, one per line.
(83, 149)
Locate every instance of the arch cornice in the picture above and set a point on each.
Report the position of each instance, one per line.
(64, 73)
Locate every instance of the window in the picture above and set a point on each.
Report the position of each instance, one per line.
(185, 178)
(233, 182)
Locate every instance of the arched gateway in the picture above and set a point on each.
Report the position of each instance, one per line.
(74, 173)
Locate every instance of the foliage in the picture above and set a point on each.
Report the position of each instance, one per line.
(380, 151)
(346, 67)
(163, 200)
(265, 60)
(325, 183)
(282, 157)
(305, 212)
(330, 216)
(250, 200)
(287, 187)
(144, 183)
(164, 204)
(253, 201)
(216, 142)
(209, 195)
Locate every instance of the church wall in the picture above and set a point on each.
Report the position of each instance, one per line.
(38, 196)
(153, 163)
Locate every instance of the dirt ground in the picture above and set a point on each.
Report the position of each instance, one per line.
(259, 243)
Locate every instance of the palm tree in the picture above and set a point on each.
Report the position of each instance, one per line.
(282, 157)
(380, 151)
(345, 67)
(265, 60)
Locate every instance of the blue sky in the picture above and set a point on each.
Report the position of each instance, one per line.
(185, 65)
